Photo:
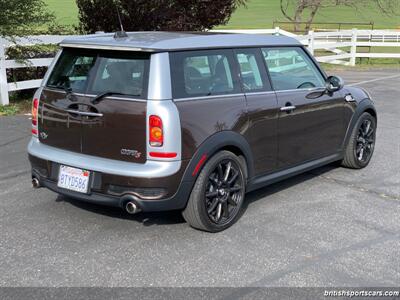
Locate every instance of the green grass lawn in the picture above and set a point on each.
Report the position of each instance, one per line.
(258, 14)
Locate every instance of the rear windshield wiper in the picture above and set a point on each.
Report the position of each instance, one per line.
(68, 90)
(101, 96)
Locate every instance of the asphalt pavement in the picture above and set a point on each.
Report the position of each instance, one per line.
(328, 227)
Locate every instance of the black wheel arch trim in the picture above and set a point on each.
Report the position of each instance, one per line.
(362, 107)
(213, 144)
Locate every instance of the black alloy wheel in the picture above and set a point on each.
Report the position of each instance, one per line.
(218, 194)
(224, 192)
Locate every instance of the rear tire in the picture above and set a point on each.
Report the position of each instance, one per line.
(361, 144)
(217, 197)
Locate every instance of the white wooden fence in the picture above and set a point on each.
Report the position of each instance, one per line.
(337, 47)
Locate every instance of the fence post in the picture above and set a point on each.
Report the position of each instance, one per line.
(311, 41)
(277, 31)
(3, 77)
(353, 49)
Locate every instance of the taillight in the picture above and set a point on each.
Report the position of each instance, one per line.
(35, 110)
(156, 135)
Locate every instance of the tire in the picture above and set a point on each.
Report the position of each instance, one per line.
(216, 200)
(360, 139)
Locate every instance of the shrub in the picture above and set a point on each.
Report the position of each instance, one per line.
(149, 15)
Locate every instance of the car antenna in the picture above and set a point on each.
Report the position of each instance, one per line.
(120, 34)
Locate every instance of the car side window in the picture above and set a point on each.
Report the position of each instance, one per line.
(203, 73)
(290, 68)
(252, 72)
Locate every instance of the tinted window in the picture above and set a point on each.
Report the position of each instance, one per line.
(291, 68)
(252, 71)
(101, 71)
(203, 73)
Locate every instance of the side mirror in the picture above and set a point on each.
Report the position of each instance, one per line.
(334, 83)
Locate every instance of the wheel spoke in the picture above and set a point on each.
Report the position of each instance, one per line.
(220, 172)
(213, 179)
(225, 210)
(235, 189)
(358, 149)
(370, 132)
(219, 211)
(227, 171)
(367, 127)
(360, 156)
(212, 194)
(232, 180)
(213, 206)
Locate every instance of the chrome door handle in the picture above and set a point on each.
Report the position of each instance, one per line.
(84, 113)
(288, 108)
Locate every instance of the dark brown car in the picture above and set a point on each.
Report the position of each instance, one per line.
(181, 121)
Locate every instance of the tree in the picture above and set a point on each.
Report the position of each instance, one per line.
(148, 15)
(21, 17)
(298, 11)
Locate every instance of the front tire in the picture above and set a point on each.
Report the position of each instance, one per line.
(217, 197)
(361, 143)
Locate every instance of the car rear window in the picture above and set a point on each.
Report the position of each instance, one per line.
(97, 72)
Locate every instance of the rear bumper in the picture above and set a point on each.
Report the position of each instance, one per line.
(176, 202)
(45, 162)
(149, 169)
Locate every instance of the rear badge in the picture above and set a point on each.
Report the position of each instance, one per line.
(43, 135)
(136, 154)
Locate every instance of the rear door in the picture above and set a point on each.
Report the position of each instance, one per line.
(64, 91)
(262, 109)
(310, 122)
(112, 127)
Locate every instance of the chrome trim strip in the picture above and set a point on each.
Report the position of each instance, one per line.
(288, 108)
(300, 90)
(159, 77)
(93, 95)
(259, 93)
(209, 97)
(153, 169)
(83, 113)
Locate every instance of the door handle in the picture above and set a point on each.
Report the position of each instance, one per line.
(288, 108)
(84, 113)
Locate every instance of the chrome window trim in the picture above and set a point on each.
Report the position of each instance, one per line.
(301, 90)
(209, 97)
(260, 93)
(150, 169)
(93, 95)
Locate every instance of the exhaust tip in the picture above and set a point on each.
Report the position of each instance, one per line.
(131, 208)
(35, 183)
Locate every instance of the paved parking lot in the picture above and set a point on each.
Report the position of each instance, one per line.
(328, 227)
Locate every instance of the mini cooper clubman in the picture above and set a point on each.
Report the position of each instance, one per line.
(155, 121)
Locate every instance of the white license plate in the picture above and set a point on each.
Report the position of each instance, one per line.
(73, 179)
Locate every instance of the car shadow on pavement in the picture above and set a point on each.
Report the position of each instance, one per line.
(175, 217)
(147, 219)
(287, 183)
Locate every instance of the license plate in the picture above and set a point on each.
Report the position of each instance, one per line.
(73, 179)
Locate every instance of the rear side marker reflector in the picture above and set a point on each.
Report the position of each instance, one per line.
(163, 154)
(199, 164)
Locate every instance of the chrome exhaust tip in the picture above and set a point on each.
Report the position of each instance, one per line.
(131, 208)
(35, 183)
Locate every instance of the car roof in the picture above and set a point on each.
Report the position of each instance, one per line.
(157, 41)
